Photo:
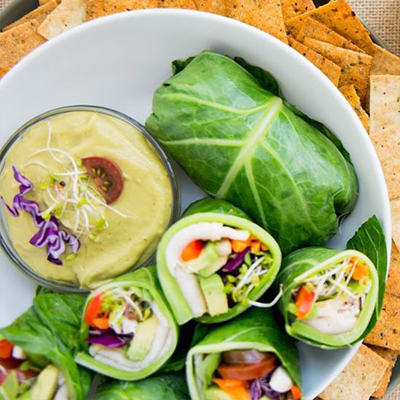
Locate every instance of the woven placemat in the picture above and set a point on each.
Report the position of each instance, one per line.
(383, 16)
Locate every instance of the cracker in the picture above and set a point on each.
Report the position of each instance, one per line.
(39, 14)
(355, 66)
(263, 14)
(43, 2)
(387, 331)
(16, 43)
(211, 6)
(395, 206)
(393, 281)
(385, 63)
(359, 379)
(338, 16)
(387, 146)
(385, 102)
(391, 357)
(100, 8)
(186, 4)
(68, 15)
(291, 8)
(352, 97)
(331, 70)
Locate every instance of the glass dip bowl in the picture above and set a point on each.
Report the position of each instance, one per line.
(77, 192)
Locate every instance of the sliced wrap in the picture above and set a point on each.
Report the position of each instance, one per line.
(129, 328)
(157, 387)
(215, 263)
(250, 356)
(37, 352)
(239, 142)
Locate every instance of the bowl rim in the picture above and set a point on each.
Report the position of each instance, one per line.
(6, 242)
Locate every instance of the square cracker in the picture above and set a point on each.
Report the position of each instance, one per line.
(68, 15)
(339, 16)
(359, 379)
(330, 69)
(385, 102)
(391, 357)
(387, 331)
(313, 29)
(385, 63)
(393, 281)
(352, 97)
(395, 206)
(291, 8)
(263, 14)
(387, 146)
(355, 66)
(186, 4)
(17, 43)
(39, 14)
(211, 6)
(100, 8)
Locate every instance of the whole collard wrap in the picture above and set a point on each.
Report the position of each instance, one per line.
(369, 241)
(226, 125)
(256, 329)
(143, 278)
(50, 330)
(170, 386)
(213, 210)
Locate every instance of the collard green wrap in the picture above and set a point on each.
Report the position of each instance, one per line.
(213, 210)
(368, 244)
(144, 278)
(241, 143)
(170, 386)
(256, 329)
(51, 329)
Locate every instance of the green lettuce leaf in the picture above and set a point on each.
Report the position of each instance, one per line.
(244, 144)
(370, 240)
(50, 330)
(257, 329)
(157, 387)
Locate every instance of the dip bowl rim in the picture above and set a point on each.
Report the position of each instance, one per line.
(5, 240)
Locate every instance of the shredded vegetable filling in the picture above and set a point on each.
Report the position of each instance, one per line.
(331, 300)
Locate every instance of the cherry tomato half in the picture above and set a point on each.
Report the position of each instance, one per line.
(107, 176)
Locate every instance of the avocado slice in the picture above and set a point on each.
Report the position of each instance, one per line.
(143, 339)
(46, 384)
(206, 368)
(215, 393)
(213, 290)
(208, 262)
(9, 388)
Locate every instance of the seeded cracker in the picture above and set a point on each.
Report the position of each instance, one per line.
(17, 43)
(359, 379)
(355, 66)
(352, 97)
(385, 63)
(100, 8)
(331, 70)
(338, 16)
(291, 8)
(313, 29)
(263, 14)
(395, 206)
(393, 281)
(39, 14)
(211, 6)
(387, 331)
(68, 15)
(385, 102)
(186, 4)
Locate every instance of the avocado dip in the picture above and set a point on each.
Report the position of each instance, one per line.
(88, 197)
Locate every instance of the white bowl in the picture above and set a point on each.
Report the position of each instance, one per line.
(119, 61)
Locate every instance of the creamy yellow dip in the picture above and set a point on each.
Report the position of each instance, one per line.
(135, 221)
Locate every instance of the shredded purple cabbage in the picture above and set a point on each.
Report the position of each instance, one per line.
(108, 338)
(236, 261)
(49, 233)
(260, 387)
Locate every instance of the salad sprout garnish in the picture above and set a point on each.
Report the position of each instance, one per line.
(49, 234)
